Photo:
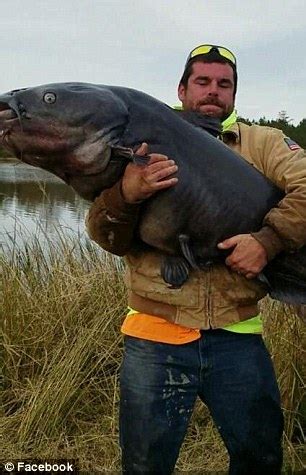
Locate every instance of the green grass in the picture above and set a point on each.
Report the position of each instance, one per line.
(61, 312)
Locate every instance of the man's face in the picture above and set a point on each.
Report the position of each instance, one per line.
(210, 89)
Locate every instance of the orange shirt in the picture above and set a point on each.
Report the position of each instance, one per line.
(158, 329)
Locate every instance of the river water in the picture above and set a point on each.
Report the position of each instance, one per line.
(36, 204)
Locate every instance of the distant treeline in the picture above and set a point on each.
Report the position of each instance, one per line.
(295, 132)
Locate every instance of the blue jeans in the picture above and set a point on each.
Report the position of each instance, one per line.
(232, 373)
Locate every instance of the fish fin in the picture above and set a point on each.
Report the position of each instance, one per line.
(118, 151)
(184, 241)
(174, 270)
(140, 159)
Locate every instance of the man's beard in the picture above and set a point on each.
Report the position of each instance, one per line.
(224, 113)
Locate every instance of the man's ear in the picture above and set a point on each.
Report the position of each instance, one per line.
(181, 92)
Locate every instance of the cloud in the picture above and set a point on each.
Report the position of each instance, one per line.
(143, 44)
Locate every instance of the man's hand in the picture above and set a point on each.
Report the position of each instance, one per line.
(249, 257)
(139, 182)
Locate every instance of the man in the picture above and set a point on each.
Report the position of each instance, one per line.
(217, 353)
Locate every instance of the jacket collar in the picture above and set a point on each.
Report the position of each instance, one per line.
(231, 134)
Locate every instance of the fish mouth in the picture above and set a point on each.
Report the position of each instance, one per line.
(7, 113)
(9, 119)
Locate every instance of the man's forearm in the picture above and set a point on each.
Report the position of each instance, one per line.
(111, 222)
(270, 240)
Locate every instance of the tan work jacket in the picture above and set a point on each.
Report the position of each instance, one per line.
(217, 296)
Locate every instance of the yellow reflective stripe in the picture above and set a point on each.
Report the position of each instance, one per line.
(231, 120)
(252, 325)
(131, 311)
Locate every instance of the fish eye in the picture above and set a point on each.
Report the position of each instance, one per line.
(49, 98)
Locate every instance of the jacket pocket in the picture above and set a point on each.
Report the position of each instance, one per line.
(144, 278)
(235, 288)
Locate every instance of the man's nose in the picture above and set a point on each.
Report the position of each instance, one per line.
(213, 89)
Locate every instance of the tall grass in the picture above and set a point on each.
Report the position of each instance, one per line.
(61, 311)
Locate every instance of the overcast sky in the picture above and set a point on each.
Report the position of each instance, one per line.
(144, 43)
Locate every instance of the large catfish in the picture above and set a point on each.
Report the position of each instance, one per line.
(86, 134)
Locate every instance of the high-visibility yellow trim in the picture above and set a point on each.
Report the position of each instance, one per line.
(252, 325)
(230, 121)
(178, 107)
(131, 311)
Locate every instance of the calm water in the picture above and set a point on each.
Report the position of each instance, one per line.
(34, 203)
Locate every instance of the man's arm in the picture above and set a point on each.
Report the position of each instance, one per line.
(284, 227)
(112, 219)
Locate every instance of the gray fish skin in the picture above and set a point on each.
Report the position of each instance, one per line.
(86, 134)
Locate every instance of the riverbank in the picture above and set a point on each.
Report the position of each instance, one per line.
(9, 160)
(61, 315)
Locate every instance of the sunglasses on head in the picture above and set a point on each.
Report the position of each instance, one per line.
(205, 49)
